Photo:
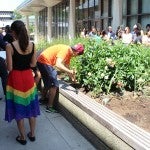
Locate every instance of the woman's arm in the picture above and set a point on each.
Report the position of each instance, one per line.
(33, 60)
(9, 52)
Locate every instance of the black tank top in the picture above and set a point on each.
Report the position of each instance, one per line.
(21, 62)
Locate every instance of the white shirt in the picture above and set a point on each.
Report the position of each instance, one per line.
(126, 38)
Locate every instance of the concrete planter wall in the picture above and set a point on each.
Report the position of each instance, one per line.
(116, 132)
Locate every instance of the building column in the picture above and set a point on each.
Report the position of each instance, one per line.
(49, 27)
(27, 23)
(36, 35)
(117, 14)
(72, 19)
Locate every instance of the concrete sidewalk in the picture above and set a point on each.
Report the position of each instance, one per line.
(53, 132)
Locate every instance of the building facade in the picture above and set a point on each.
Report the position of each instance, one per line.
(66, 18)
(6, 18)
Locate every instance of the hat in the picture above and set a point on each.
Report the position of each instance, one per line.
(78, 48)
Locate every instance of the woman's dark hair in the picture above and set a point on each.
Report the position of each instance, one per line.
(148, 26)
(103, 33)
(21, 32)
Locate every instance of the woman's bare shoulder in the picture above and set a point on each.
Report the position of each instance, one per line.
(8, 46)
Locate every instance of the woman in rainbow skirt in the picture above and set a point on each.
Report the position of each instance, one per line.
(21, 92)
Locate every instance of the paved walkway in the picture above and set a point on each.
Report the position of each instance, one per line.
(53, 132)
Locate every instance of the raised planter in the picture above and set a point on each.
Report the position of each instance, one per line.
(110, 128)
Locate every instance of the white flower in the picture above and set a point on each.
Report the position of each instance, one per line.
(145, 74)
(112, 64)
(102, 75)
(140, 80)
(106, 67)
(106, 77)
(89, 74)
(108, 60)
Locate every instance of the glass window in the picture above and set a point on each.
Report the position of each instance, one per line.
(133, 7)
(124, 7)
(60, 19)
(144, 21)
(105, 8)
(43, 23)
(85, 9)
(145, 6)
(79, 9)
(97, 10)
(90, 13)
(91, 4)
(54, 23)
(136, 11)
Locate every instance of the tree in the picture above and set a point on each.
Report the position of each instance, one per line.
(17, 15)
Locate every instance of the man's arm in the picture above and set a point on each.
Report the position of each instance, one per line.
(61, 66)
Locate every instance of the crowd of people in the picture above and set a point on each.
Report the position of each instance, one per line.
(22, 71)
(128, 36)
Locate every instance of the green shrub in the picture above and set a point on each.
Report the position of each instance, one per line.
(105, 67)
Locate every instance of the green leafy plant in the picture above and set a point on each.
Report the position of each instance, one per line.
(105, 67)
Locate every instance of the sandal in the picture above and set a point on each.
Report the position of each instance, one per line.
(23, 142)
(31, 138)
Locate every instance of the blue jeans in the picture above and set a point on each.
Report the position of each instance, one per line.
(49, 75)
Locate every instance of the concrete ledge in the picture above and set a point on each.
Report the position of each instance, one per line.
(115, 131)
(78, 125)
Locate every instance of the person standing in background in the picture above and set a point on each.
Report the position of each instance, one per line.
(111, 34)
(126, 36)
(21, 92)
(3, 74)
(8, 36)
(147, 27)
(2, 43)
(3, 69)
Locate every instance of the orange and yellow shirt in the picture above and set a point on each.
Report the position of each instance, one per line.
(50, 55)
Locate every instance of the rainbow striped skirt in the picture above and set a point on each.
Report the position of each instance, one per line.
(21, 96)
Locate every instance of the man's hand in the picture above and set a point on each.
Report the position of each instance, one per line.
(61, 66)
(72, 75)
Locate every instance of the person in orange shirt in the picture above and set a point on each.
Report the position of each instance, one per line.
(58, 56)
